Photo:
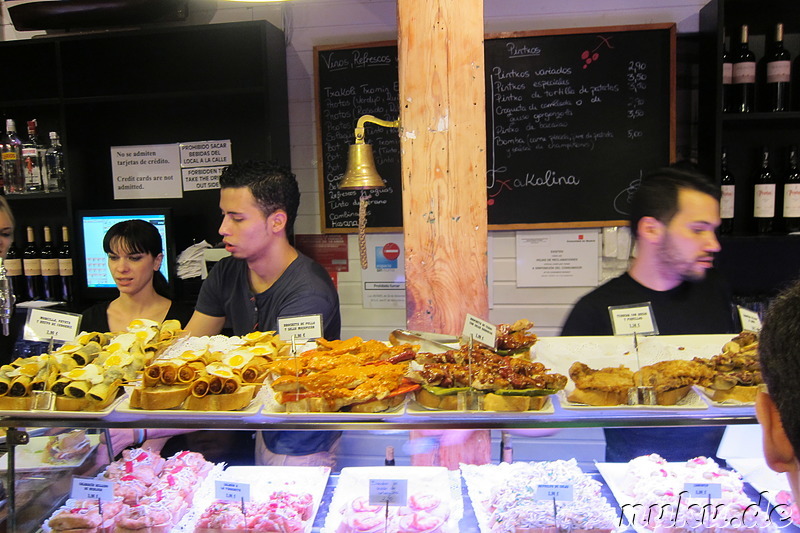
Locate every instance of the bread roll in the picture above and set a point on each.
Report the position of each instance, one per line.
(159, 397)
(598, 397)
(221, 402)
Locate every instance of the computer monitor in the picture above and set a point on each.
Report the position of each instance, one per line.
(92, 227)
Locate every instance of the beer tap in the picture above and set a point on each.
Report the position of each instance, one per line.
(6, 299)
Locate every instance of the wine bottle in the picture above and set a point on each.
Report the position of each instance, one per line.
(764, 199)
(13, 178)
(49, 262)
(779, 74)
(791, 195)
(32, 162)
(389, 457)
(744, 76)
(727, 81)
(727, 201)
(32, 267)
(65, 266)
(54, 161)
(13, 264)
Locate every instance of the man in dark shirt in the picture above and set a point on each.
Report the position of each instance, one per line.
(674, 217)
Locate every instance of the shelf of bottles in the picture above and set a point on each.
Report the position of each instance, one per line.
(41, 270)
(760, 116)
(29, 166)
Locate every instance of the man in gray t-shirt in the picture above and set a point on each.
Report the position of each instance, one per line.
(264, 279)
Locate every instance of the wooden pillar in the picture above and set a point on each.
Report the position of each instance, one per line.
(443, 161)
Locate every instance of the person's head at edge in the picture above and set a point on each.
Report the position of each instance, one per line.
(135, 253)
(674, 218)
(778, 409)
(259, 202)
(6, 227)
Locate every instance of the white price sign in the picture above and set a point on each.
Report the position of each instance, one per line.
(635, 318)
(703, 490)
(480, 330)
(231, 491)
(300, 327)
(559, 492)
(391, 491)
(42, 325)
(750, 319)
(92, 489)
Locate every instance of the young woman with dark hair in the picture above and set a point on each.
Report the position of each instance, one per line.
(135, 254)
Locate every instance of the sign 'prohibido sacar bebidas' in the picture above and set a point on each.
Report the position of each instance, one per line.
(574, 118)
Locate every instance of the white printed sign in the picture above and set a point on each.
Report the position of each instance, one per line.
(201, 178)
(750, 319)
(558, 492)
(300, 327)
(206, 154)
(480, 330)
(92, 489)
(146, 171)
(558, 258)
(391, 491)
(43, 325)
(635, 318)
(231, 491)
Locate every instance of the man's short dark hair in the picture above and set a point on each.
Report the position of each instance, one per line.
(779, 356)
(657, 195)
(273, 186)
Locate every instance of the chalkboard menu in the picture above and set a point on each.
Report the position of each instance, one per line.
(352, 82)
(573, 119)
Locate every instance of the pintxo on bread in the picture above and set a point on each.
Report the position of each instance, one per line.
(209, 373)
(87, 373)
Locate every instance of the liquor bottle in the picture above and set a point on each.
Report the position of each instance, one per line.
(727, 201)
(13, 178)
(32, 267)
(65, 266)
(779, 74)
(54, 161)
(389, 457)
(13, 264)
(727, 81)
(764, 200)
(791, 195)
(49, 261)
(32, 160)
(744, 76)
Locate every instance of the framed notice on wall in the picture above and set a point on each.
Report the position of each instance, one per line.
(574, 118)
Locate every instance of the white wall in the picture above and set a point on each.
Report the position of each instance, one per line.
(315, 22)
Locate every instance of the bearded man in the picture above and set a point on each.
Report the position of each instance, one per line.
(674, 218)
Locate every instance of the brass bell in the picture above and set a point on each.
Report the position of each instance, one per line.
(361, 172)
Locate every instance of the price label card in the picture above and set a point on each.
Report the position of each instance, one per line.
(480, 330)
(634, 318)
(562, 493)
(231, 491)
(43, 325)
(750, 319)
(391, 491)
(92, 489)
(703, 490)
(300, 327)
